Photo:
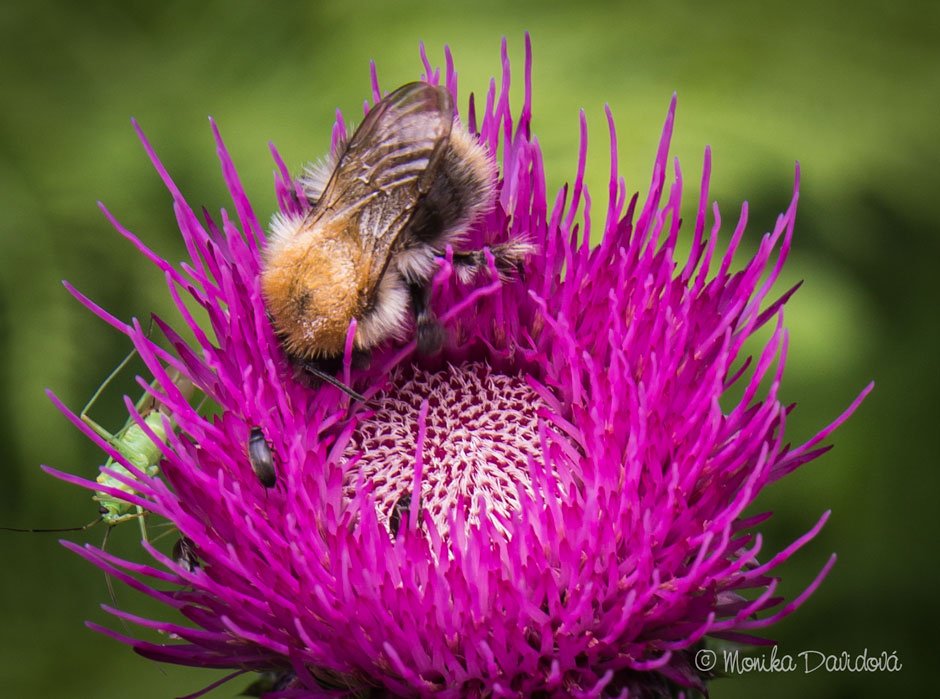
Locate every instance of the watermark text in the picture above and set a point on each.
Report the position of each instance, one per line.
(736, 662)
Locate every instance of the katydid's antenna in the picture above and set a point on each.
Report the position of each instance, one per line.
(60, 529)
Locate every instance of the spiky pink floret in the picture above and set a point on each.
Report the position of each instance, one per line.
(618, 543)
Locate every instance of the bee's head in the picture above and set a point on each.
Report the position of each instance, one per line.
(311, 286)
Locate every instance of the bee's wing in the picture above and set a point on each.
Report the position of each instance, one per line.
(387, 166)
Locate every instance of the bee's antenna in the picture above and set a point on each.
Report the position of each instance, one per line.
(333, 381)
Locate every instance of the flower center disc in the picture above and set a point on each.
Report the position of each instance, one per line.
(480, 432)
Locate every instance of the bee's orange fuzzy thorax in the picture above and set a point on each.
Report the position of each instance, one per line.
(311, 286)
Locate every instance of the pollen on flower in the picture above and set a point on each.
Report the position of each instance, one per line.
(481, 430)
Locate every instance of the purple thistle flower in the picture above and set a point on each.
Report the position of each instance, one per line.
(577, 493)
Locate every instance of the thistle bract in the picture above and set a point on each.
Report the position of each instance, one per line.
(552, 506)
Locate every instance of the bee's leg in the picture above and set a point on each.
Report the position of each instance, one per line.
(508, 257)
(314, 368)
(361, 359)
(467, 264)
(314, 371)
(430, 334)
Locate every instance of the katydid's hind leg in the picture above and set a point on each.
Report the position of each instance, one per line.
(430, 334)
(107, 579)
(168, 528)
(146, 402)
(142, 523)
(99, 430)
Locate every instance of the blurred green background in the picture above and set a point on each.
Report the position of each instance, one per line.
(848, 89)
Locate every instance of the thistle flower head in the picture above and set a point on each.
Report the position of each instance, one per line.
(552, 506)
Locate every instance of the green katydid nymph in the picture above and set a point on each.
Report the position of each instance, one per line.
(135, 445)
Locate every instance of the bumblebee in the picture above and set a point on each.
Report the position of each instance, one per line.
(409, 182)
